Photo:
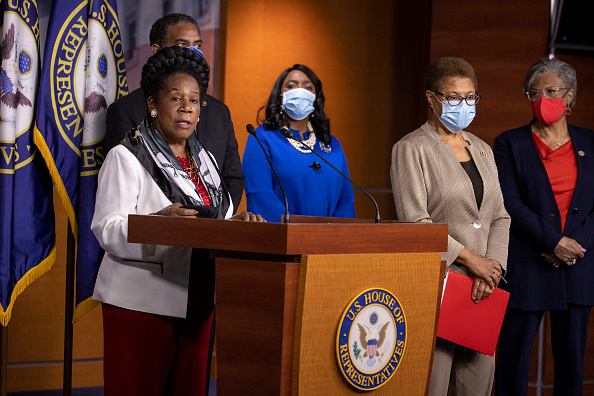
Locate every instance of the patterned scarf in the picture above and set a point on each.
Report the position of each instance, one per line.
(153, 152)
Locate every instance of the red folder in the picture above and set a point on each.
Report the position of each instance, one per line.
(462, 321)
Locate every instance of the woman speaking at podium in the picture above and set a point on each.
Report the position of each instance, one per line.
(443, 174)
(158, 300)
(296, 103)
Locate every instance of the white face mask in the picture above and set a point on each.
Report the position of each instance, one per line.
(298, 103)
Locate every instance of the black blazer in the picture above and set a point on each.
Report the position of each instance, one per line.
(535, 229)
(215, 132)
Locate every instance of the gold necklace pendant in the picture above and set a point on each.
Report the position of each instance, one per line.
(192, 171)
(311, 140)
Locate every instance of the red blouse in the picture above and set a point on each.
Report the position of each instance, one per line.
(561, 167)
(195, 177)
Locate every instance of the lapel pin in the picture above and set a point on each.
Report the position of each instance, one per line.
(483, 153)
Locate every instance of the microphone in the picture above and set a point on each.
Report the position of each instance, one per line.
(288, 134)
(252, 131)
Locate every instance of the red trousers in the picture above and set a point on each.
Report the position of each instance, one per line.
(146, 354)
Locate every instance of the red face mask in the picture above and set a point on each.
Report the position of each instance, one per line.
(548, 111)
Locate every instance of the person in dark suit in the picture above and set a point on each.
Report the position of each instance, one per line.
(546, 171)
(215, 128)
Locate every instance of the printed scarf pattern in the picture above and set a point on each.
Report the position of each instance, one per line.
(152, 151)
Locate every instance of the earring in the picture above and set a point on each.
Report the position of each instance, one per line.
(567, 110)
(154, 113)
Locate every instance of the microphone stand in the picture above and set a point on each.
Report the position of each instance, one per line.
(288, 134)
(252, 131)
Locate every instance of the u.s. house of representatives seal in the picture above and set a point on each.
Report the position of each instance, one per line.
(371, 339)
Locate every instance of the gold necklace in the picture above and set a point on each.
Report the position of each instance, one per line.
(192, 171)
(311, 140)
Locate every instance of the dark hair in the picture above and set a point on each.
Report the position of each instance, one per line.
(447, 67)
(274, 118)
(160, 29)
(564, 71)
(169, 61)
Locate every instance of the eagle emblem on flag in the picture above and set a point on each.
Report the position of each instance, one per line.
(10, 95)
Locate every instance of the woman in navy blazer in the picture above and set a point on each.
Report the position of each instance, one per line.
(546, 172)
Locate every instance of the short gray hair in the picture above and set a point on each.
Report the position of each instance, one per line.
(561, 69)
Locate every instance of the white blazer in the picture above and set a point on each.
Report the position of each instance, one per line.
(145, 278)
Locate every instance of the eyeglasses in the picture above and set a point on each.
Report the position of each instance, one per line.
(550, 93)
(471, 100)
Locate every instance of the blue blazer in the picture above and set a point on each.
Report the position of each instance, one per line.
(310, 192)
(535, 285)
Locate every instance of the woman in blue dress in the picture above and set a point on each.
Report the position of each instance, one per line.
(296, 103)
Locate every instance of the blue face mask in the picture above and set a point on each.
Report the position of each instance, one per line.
(298, 103)
(456, 118)
(196, 50)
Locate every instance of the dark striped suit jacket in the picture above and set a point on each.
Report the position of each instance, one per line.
(536, 227)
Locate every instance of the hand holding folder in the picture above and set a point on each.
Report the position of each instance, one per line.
(464, 322)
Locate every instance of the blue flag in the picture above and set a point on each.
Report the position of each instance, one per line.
(83, 73)
(27, 236)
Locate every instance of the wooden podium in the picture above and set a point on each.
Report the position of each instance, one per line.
(281, 290)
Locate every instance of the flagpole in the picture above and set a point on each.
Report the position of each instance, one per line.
(69, 312)
(3, 359)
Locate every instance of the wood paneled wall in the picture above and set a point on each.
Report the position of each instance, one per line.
(372, 57)
(501, 40)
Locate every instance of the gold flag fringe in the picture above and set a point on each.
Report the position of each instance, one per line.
(56, 178)
(25, 281)
(89, 304)
(83, 308)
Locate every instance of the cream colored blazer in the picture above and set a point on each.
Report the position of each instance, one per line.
(430, 185)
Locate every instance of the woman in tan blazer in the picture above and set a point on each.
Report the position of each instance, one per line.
(443, 174)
